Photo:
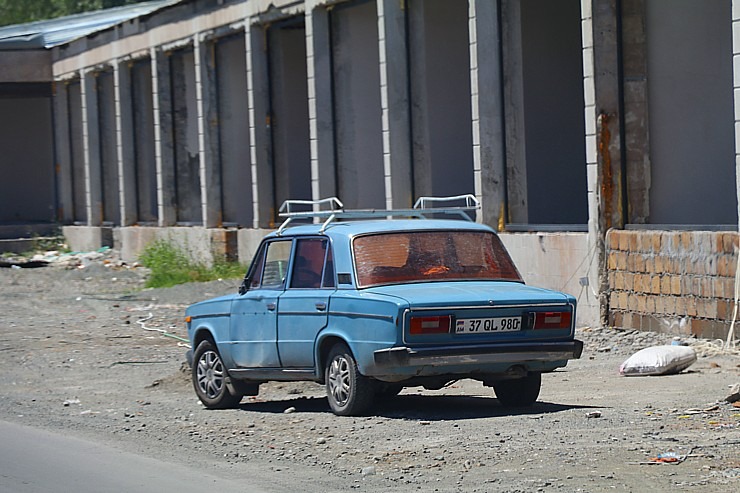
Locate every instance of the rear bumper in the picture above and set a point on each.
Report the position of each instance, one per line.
(478, 355)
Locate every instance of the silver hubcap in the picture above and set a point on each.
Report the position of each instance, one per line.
(210, 374)
(339, 380)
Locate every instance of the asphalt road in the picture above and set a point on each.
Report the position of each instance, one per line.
(34, 460)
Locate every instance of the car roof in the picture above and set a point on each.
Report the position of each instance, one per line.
(359, 227)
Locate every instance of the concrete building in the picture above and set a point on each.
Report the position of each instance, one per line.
(600, 136)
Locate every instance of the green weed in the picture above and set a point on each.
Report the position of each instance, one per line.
(170, 265)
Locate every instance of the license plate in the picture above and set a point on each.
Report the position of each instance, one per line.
(485, 325)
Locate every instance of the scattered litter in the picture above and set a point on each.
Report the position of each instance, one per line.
(593, 414)
(162, 331)
(290, 410)
(678, 342)
(734, 394)
(368, 471)
(667, 457)
(69, 402)
(658, 360)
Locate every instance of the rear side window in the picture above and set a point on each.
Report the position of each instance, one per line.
(414, 256)
(313, 264)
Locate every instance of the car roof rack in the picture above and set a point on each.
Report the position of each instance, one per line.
(331, 209)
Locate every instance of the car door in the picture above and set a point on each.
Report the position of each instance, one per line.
(303, 307)
(253, 325)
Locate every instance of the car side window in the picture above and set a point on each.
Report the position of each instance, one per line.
(313, 265)
(270, 273)
(255, 277)
(328, 280)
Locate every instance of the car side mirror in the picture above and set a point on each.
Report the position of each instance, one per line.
(244, 286)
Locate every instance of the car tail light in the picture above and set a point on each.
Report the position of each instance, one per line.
(552, 320)
(430, 325)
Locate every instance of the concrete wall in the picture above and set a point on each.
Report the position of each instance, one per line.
(105, 89)
(185, 137)
(26, 160)
(357, 105)
(439, 58)
(555, 153)
(25, 66)
(559, 261)
(144, 151)
(291, 152)
(77, 152)
(233, 125)
(691, 112)
(680, 283)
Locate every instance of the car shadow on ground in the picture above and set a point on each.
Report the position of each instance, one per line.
(418, 407)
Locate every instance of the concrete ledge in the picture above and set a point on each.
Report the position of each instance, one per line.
(87, 238)
(203, 245)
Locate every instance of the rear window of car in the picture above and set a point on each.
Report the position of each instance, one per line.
(414, 256)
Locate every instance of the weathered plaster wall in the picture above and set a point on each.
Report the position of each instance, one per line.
(560, 261)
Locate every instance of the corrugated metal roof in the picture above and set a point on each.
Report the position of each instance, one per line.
(55, 32)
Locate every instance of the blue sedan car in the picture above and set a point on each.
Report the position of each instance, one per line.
(368, 302)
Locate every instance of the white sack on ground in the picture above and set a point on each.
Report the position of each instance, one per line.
(658, 360)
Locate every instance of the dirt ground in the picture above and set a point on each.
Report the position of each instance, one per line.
(76, 357)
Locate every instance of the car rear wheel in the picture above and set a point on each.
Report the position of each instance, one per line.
(349, 392)
(210, 377)
(519, 392)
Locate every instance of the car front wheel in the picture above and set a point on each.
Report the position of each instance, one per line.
(349, 392)
(519, 392)
(210, 376)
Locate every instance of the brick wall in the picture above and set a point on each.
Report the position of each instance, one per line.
(677, 282)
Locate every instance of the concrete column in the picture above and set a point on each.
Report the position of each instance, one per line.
(320, 104)
(258, 90)
(601, 113)
(163, 137)
(736, 90)
(516, 159)
(636, 118)
(125, 142)
(91, 149)
(605, 74)
(487, 110)
(394, 95)
(208, 143)
(63, 154)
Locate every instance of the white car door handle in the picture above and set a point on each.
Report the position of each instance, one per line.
(321, 306)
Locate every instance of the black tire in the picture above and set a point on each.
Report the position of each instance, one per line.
(210, 378)
(349, 392)
(519, 392)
